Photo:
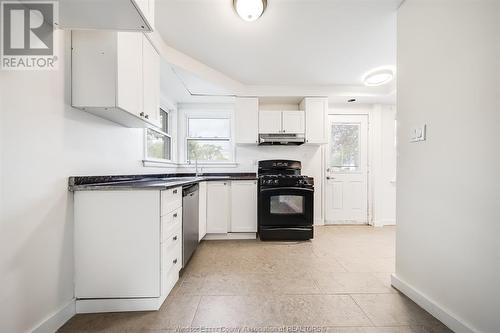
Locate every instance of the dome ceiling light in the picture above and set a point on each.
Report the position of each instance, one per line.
(378, 77)
(250, 10)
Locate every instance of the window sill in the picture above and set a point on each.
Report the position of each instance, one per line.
(159, 163)
(210, 165)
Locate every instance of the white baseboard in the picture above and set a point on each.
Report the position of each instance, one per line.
(444, 315)
(57, 319)
(346, 222)
(384, 222)
(231, 236)
(118, 304)
(319, 222)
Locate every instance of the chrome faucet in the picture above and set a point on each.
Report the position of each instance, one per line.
(196, 167)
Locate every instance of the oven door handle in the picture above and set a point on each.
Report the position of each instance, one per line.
(287, 188)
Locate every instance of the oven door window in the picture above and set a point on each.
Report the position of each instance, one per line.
(287, 204)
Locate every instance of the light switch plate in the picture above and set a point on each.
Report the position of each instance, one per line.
(419, 134)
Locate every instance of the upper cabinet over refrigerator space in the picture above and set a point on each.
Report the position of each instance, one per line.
(118, 15)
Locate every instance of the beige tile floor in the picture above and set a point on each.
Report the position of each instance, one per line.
(339, 282)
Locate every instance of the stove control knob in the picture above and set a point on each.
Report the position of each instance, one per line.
(276, 181)
(301, 181)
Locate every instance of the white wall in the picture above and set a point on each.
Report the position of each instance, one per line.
(43, 142)
(382, 159)
(448, 253)
(247, 156)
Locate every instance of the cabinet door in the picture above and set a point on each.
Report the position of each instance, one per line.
(203, 210)
(247, 120)
(148, 10)
(270, 122)
(129, 72)
(316, 110)
(244, 206)
(151, 86)
(217, 207)
(293, 122)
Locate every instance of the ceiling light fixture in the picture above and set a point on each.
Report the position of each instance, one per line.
(378, 77)
(250, 10)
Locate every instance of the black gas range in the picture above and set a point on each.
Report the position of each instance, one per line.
(286, 201)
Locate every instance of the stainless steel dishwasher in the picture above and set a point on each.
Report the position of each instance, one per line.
(190, 224)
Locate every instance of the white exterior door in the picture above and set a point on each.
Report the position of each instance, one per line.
(347, 170)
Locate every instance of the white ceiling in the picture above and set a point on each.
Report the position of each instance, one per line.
(295, 42)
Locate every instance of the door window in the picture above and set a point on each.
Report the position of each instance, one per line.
(345, 147)
(287, 204)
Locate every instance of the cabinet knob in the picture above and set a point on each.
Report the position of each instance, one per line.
(175, 238)
(175, 261)
(175, 215)
(141, 114)
(147, 116)
(175, 192)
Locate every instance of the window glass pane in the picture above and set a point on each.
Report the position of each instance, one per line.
(158, 145)
(168, 150)
(344, 148)
(287, 204)
(209, 150)
(164, 121)
(209, 128)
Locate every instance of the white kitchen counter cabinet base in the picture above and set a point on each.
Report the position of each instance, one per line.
(128, 249)
(231, 210)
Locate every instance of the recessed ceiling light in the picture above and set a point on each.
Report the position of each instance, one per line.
(250, 10)
(378, 77)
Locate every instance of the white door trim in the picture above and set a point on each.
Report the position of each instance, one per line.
(368, 219)
(364, 112)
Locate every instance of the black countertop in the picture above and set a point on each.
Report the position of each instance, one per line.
(150, 181)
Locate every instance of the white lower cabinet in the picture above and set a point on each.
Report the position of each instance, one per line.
(244, 206)
(218, 207)
(232, 207)
(128, 249)
(202, 230)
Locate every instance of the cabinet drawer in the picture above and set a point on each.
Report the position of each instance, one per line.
(172, 235)
(171, 263)
(170, 222)
(171, 199)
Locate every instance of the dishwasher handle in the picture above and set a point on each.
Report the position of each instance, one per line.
(189, 189)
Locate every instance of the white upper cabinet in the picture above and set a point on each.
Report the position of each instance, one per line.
(151, 79)
(115, 75)
(293, 122)
(147, 8)
(218, 207)
(244, 206)
(270, 122)
(117, 15)
(129, 72)
(276, 122)
(316, 112)
(247, 120)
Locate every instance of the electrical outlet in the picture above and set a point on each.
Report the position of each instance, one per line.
(419, 134)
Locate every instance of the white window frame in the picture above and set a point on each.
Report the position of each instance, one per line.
(212, 114)
(161, 132)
